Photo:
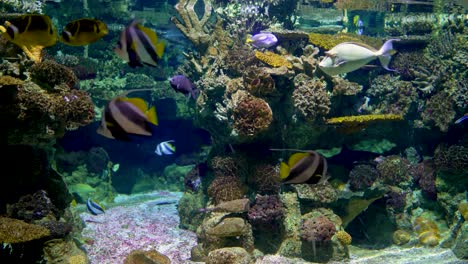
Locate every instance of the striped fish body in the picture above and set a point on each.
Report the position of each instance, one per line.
(139, 45)
(83, 32)
(30, 30)
(165, 148)
(94, 208)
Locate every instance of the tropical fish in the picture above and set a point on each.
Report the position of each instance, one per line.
(31, 32)
(303, 167)
(262, 40)
(358, 24)
(461, 119)
(165, 148)
(83, 32)
(182, 84)
(349, 56)
(94, 208)
(124, 116)
(139, 45)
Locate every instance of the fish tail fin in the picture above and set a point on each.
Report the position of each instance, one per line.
(385, 53)
(152, 116)
(160, 49)
(284, 170)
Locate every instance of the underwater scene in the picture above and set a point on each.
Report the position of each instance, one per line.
(234, 131)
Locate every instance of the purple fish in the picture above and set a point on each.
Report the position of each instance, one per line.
(182, 84)
(263, 40)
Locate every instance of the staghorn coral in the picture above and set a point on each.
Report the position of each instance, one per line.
(394, 170)
(310, 97)
(225, 188)
(272, 59)
(439, 111)
(251, 116)
(267, 212)
(362, 176)
(16, 231)
(317, 229)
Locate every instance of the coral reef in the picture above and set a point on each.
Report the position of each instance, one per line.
(33, 207)
(424, 174)
(428, 232)
(266, 179)
(16, 231)
(272, 59)
(225, 188)
(362, 176)
(48, 74)
(317, 229)
(439, 111)
(251, 116)
(266, 213)
(310, 98)
(394, 170)
(453, 158)
(344, 237)
(327, 42)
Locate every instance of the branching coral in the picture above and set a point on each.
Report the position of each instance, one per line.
(310, 97)
(227, 166)
(226, 188)
(251, 116)
(242, 54)
(191, 26)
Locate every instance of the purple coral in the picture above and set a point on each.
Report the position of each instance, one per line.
(267, 212)
(424, 174)
(317, 229)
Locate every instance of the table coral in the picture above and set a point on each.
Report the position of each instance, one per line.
(272, 59)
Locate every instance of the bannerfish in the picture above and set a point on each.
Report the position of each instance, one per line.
(165, 148)
(182, 84)
(139, 45)
(31, 32)
(304, 167)
(83, 32)
(461, 119)
(349, 56)
(262, 40)
(127, 116)
(94, 208)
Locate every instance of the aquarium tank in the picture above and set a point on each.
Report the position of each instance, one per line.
(234, 131)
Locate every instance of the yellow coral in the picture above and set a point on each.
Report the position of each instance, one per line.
(10, 81)
(428, 232)
(363, 119)
(272, 59)
(327, 41)
(77, 259)
(344, 237)
(463, 208)
(17, 231)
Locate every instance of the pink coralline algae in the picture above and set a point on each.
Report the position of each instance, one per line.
(144, 225)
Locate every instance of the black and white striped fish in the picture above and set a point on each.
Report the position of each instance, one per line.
(165, 148)
(94, 208)
(139, 45)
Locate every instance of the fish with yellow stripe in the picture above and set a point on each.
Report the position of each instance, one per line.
(125, 117)
(31, 32)
(139, 45)
(303, 167)
(83, 31)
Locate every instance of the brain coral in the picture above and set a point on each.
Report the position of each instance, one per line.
(225, 188)
(251, 115)
(310, 97)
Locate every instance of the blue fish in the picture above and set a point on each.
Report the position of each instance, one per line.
(461, 119)
(165, 148)
(263, 40)
(94, 208)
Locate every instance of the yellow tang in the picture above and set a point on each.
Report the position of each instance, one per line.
(83, 32)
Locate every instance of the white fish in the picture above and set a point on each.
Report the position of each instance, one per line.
(349, 56)
(165, 148)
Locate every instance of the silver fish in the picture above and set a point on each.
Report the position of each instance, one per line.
(350, 56)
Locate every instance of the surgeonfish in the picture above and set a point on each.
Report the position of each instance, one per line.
(31, 32)
(165, 148)
(139, 45)
(83, 32)
(303, 167)
(349, 56)
(125, 116)
(94, 208)
(182, 84)
(262, 40)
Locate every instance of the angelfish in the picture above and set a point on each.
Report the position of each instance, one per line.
(350, 56)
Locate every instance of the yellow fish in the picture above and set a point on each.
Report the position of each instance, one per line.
(83, 32)
(30, 32)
